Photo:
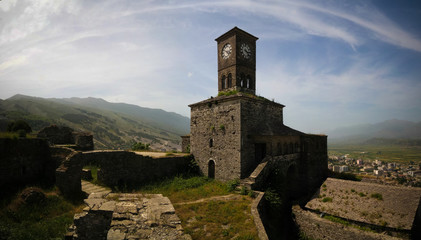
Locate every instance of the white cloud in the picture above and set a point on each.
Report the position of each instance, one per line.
(154, 53)
(12, 62)
(6, 5)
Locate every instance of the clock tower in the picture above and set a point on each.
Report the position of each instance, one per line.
(237, 61)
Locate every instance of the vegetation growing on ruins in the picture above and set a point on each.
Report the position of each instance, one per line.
(218, 219)
(181, 188)
(228, 93)
(48, 219)
(94, 173)
(202, 217)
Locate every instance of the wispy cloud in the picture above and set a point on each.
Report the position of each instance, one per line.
(323, 58)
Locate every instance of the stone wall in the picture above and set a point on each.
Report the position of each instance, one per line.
(128, 169)
(257, 213)
(127, 216)
(25, 161)
(313, 162)
(258, 118)
(68, 176)
(84, 141)
(185, 144)
(57, 135)
(314, 227)
(64, 135)
(215, 136)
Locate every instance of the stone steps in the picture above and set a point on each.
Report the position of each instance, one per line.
(89, 188)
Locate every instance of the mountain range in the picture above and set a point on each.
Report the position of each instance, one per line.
(119, 125)
(364, 133)
(114, 125)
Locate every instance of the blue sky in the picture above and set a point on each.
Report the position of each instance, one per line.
(332, 63)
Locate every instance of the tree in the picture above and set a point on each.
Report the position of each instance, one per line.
(19, 126)
(140, 146)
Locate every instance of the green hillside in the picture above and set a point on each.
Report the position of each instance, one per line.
(114, 125)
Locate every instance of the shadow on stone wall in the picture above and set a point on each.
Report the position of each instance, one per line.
(25, 162)
(128, 170)
(121, 170)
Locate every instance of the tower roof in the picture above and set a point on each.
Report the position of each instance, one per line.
(233, 31)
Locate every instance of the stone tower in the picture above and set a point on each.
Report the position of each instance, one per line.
(231, 135)
(237, 61)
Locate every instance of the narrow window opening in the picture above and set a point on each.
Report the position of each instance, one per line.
(211, 169)
(229, 80)
(223, 82)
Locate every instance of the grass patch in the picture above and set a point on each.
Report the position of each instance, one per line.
(15, 135)
(180, 189)
(229, 219)
(327, 199)
(46, 220)
(218, 219)
(346, 223)
(337, 220)
(229, 93)
(94, 172)
(377, 196)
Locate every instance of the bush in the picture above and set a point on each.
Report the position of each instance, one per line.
(377, 196)
(232, 185)
(327, 199)
(140, 146)
(19, 126)
(244, 191)
(273, 198)
(345, 176)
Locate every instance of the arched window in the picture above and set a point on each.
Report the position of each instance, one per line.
(223, 82)
(229, 80)
(297, 148)
(242, 80)
(285, 148)
(249, 83)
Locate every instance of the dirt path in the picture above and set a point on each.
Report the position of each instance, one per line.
(215, 198)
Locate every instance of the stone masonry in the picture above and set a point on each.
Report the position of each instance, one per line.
(64, 135)
(232, 133)
(127, 216)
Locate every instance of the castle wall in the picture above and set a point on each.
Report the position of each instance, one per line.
(123, 168)
(313, 162)
(185, 144)
(215, 135)
(25, 161)
(258, 118)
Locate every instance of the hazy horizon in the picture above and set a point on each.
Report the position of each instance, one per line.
(332, 64)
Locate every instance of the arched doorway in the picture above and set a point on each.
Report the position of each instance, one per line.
(211, 169)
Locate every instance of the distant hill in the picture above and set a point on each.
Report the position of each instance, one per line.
(390, 129)
(114, 125)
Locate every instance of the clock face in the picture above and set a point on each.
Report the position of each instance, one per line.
(226, 51)
(245, 51)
